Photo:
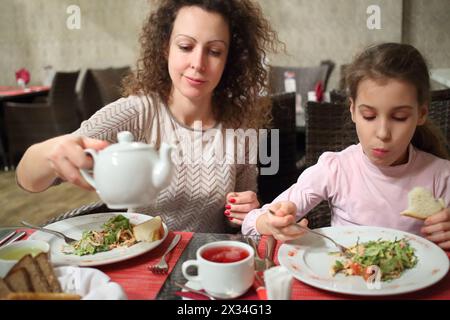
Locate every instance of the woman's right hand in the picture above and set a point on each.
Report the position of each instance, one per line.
(65, 156)
(280, 224)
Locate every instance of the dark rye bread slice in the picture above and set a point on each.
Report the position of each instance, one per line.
(4, 289)
(18, 280)
(47, 269)
(37, 278)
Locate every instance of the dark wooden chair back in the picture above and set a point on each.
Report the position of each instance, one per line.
(283, 113)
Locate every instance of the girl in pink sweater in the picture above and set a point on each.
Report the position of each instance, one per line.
(368, 183)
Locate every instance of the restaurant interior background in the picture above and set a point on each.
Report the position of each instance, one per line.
(34, 34)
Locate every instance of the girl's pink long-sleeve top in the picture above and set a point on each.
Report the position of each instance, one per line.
(361, 193)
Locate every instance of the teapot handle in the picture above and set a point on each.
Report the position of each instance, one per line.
(85, 173)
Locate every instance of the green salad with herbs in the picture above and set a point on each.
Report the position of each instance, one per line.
(391, 257)
(116, 232)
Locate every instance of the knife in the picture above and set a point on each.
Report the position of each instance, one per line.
(260, 286)
(16, 237)
(260, 264)
(7, 237)
(270, 249)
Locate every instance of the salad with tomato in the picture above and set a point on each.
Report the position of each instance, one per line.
(391, 257)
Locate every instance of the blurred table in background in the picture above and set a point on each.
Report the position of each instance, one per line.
(441, 76)
(15, 94)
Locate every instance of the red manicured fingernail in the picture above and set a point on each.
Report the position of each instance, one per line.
(231, 219)
(232, 200)
(227, 206)
(227, 213)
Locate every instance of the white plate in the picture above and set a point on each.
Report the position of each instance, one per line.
(309, 261)
(74, 227)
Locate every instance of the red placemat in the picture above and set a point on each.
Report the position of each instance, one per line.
(134, 276)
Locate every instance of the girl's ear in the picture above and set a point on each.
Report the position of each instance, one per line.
(423, 115)
(352, 109)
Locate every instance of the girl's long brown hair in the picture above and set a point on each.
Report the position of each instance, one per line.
(402, 62)
(236, 101)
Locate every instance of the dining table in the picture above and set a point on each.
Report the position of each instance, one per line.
(134, 276)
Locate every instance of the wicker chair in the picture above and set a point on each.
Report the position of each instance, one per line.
(439, 112)
(440, 95)
(283, 113)
(328, 128)
(29, 123)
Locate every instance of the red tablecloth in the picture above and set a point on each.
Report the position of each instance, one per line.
(16, 91)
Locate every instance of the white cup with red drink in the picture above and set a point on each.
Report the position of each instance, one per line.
(225, 269)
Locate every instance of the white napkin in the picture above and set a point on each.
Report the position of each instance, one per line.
(89, 283)
(278, 283)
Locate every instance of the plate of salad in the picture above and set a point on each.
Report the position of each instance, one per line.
(104, 238)
(379, 262)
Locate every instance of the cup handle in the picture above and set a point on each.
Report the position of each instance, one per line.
(85, 173)
(184, 268)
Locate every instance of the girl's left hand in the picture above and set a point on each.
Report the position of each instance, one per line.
(239, 204)
(437, 228)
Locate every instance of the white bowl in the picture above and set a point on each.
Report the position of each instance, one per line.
(11, 253)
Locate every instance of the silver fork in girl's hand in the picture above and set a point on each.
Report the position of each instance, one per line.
(341, 248)
(67, 239)
(162, 266)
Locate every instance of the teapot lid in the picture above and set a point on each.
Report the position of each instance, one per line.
(126, 143)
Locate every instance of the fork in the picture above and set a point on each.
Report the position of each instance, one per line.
(162, 267)
(341, 248)
(67, 240)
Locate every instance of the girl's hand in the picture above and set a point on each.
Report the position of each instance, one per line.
(65, 155)
(239, 204)
(437, 228)
(279, 225)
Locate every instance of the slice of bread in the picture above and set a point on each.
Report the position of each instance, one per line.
(422, 204)
(41, 296)
(47, 269)
(38, 281)
(19, 280)
(150, 230)
(33, 279)
(4, 289)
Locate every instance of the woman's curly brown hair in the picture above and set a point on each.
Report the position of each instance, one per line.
(236, 99)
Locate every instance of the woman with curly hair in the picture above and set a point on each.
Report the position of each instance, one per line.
(200, 72)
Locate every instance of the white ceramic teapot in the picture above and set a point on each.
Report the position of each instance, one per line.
(129, 174)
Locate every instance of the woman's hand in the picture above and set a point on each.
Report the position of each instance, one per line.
(239, 204)
(280, 224)
(437, 228)
(65, 156)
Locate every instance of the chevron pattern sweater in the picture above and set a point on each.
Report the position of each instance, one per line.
(195, 199)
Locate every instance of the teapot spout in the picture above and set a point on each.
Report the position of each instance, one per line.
(162, 171)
